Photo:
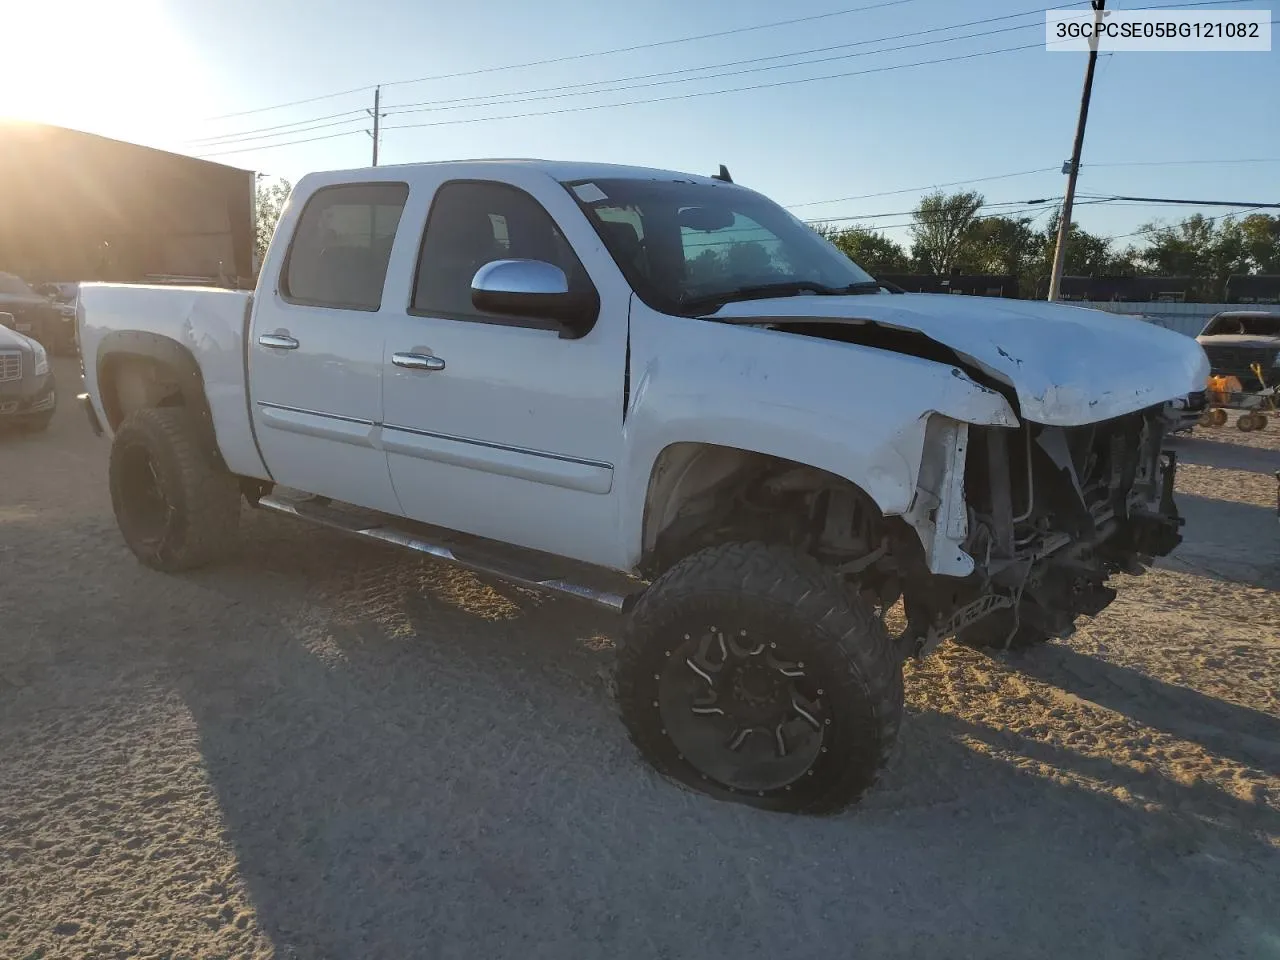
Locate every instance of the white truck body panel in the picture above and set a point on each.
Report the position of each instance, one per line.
(210, 323)
(1069, 365)
(522, 426)
(834, 406)
(524, 437)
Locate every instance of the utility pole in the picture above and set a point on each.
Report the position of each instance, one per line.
(377, 118)
(1073, 168)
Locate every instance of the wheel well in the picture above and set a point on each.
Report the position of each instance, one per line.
(700, 494)
(139, 370)
(127, 383)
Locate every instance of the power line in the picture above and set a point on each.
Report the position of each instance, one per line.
(673, 97)
(654, 44)
(930, 186)
(665, 99)
(293, 103)
(1162, 201)
(568, 90)
(1028, 204)
(228, 139)
(670, 42)
(1147, 230)
(576, 56)
(290, 143)
(279, 126)
(753, 87)
(1174, 163)
(459, 102)
(579, 89)
(512, 99)
(713, 93)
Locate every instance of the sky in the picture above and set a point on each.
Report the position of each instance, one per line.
(167, 72)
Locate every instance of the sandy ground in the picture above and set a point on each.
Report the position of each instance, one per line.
(333, 750)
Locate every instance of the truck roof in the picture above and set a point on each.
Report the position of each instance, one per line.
(565, 171)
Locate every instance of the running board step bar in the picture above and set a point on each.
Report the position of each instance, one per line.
(466, 552)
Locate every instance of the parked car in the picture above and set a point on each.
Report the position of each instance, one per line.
(31, 313)
(28, 393)
(63, 296)
(665, 394)
(1235, 340)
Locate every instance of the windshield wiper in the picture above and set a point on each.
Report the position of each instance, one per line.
(781, 289)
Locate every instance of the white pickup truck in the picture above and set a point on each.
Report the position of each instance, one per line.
(664, 393)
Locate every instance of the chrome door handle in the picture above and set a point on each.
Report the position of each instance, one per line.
(417, 361)
(278, 341)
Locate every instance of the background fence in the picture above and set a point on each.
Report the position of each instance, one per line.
(1187, 318)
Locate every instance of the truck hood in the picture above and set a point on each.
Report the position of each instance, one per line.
(1067, 365)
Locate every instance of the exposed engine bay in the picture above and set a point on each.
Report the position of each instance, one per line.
(1049, 515)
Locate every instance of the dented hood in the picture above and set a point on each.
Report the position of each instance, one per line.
(1068, 365)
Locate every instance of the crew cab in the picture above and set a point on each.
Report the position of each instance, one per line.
(663, 393)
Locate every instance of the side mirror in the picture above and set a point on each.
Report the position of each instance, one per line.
(534, 288)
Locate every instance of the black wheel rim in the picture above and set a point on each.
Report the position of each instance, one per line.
(143, 502)
(745, 711)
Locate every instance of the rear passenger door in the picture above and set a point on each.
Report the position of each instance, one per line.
(315, 351)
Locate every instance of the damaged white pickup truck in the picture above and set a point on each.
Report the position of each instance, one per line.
(663, 393)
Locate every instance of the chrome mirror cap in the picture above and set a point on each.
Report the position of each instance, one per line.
(520, 277)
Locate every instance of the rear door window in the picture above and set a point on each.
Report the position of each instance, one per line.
(342, 244)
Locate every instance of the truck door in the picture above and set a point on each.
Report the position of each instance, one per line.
(495, 425)
(315, 351)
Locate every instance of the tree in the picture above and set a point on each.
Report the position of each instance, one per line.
(1261, 235)
(749, 259)
(942, 222)
(270, 203)
(872, 251)
(1201, 250)
(999, 245)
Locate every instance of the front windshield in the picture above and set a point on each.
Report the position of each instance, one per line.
(14, 286)
(1255, 325)
(689, 247)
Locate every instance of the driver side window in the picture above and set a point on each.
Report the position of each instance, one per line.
(472, 224)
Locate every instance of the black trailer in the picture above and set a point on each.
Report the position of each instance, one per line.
(76, 207)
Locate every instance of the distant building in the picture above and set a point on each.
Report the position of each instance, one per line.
(75, 206)
(1255, 288)
(972, 285)
(1120, 289)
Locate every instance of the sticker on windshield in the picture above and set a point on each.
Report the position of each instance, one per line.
(590, 193)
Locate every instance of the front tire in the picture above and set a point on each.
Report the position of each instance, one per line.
(175, 507)
(749, 673)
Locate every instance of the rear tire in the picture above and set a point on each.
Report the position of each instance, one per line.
(759, 638)
(175, 507)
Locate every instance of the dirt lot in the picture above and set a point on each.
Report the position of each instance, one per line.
(333, 750)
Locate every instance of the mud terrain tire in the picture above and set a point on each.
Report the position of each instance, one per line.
(802, 617)
(175, 507)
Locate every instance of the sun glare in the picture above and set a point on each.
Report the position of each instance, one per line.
(119, 69)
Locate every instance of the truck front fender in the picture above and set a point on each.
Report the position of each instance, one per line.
(857, 413)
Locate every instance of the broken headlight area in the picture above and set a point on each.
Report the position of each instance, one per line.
(1053, 514)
